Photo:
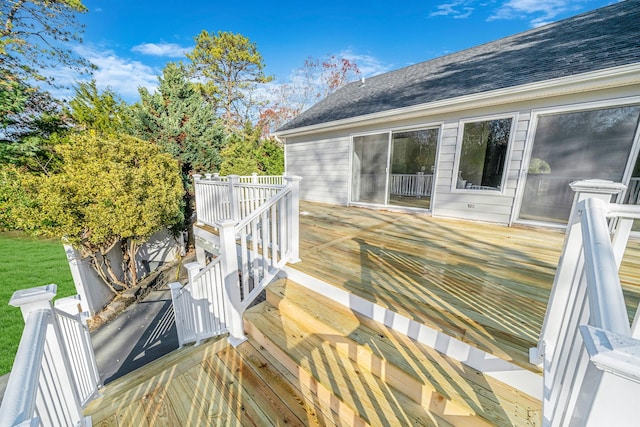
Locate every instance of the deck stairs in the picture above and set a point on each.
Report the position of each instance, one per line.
(350, 370)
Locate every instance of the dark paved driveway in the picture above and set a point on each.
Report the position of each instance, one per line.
(143, 332)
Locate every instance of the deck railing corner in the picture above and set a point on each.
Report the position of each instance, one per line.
(54, 374)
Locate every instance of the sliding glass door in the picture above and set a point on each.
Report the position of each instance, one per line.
(369, 168)
(413, 158)
(394, 168)
(593, 144)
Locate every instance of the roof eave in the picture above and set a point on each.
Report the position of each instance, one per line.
(595, 80)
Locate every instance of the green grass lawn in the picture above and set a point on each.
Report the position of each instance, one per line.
(26, 263)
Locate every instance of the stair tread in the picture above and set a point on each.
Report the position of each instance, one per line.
(372, 398)
(260, 404)
(400, 359)
(331, 409)
(269, 371)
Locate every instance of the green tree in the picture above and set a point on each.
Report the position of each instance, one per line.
(13, 98)
(104, 112)
(112, 193)
(35, 37)
(229, 66)
(177, 119)
(35, 40)
(14, 198)
(30, 135)
(247, 153)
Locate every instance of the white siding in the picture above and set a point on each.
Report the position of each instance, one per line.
(490, 206)
(323, 159)
(324, 168)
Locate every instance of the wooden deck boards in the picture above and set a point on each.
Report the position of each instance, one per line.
(209, 385)
(485, 284)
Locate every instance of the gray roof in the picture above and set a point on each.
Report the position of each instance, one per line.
(604, 38)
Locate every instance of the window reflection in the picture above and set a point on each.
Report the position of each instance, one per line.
(483, 154)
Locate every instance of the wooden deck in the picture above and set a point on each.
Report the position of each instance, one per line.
(208, 385)
(485, 284)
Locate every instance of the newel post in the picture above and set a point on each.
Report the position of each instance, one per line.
(178, 310)
(39, 299)
(571, 251)
(293, 215)
(593, 188)
(199, 198)
(234, 202)
(232, 299)
(33, 299)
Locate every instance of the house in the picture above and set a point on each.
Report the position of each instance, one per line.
(493, 133)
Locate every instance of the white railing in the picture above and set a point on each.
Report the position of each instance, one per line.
(233, 197)
(254, 178)
(199, 313)
(412, 185)
(54, 373)
(591, 354)
(251, 252)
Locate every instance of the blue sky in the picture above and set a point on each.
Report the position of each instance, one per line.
(131, 41)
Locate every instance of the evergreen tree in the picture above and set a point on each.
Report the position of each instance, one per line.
(112, 192)
(177, 119)
(247, 153)
(103, 112)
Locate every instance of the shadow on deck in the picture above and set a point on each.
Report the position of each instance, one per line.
(486, 285)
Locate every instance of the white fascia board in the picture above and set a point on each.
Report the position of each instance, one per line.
(602, 79)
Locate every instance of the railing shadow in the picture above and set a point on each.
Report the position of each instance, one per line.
(139, 336)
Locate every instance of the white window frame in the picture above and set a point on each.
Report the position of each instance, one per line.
(531, 135)
(507, 160)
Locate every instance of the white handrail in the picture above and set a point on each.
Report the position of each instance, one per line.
(263, 208)
(233, 197)
(18, 405)
(258, 232)
(591, 359)
(54, 373)
(606, 301)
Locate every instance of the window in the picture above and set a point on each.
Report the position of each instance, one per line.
(572, 146)
(483, 154)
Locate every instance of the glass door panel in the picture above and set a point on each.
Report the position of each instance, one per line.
(413, 156)
(369, 168)
(593, 144)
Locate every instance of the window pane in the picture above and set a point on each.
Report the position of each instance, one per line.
(369, 168)
(413, 156)
(569, 147)
(483, 154)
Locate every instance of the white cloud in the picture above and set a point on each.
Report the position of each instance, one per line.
(538, 12)
(457, 9)
(546, 10)
(172, 50)
(368, 65)
(122, 75)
